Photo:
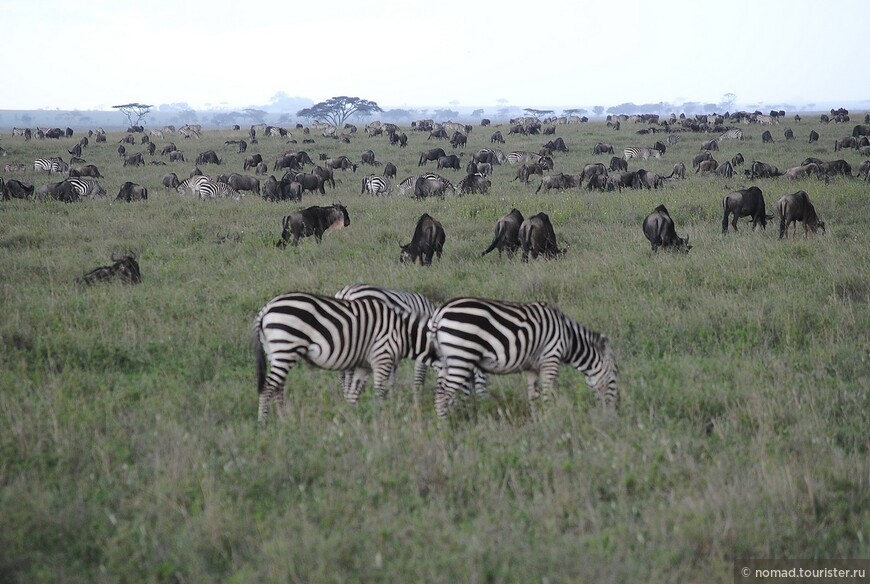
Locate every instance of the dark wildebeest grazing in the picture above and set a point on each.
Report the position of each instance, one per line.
(679, 171)
(251, 161)
(368, 157)
(725, 170)
(309, 182)
(558, 145)
(507, 234)
(602, 148)
(496, 137)
(207, 157)
(390, 170)
(849, 142)
(62, 191)
(270, 189)
(710, 145)
(814, 137)
(124, 268)
(76, 150)
(789, 134)
(473, 183)
(431, 155)
(458, 139)
(737, 160)
(561, 181)
(591, 170)
(326, 174)
(449, 161)
(526, 170)
(861, 130)
(439, 134)
(136, 159)
(87, 170)
(170, 181)
(706, 166)
(538, 238)
(168, 148)
(763, 170)
(428, 240)
(617, 163)
(313, 221)
(658, 227)
(130, 192)
(15, 189)
(745, 202)
(289, 189)
(430, 186)
(241, 182)
(701, 158)
(603, 183)
(767, 137)
(176, 156)
(340, 163)
(797, 207)
(648, 179)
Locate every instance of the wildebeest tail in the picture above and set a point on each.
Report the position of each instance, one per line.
(781, 221)
(725, 213)
(496, 239)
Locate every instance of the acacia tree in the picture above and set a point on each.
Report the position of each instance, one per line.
(337, 110)
(131, 110)
(538, 113)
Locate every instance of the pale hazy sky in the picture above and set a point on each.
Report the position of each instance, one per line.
(403, 53)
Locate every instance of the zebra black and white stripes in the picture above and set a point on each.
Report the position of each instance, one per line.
(87, 187)
(53, 164)
(640, 153)
(506, 337)
(340, 335)
(376, 185)
(732, 134)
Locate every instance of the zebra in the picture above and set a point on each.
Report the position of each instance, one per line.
(364, 335)
(409, 183)
(53, 164)
(509, 337)
(640, 153)
(193, 183)
(87, 187)
(209, 189)
(732, 134)
(520, 157)
(376, 185)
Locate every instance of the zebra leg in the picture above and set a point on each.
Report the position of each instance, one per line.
(354, 389)
(532, 388)
(263, 408)
(480, 389)
(419, 375)
(384, 371)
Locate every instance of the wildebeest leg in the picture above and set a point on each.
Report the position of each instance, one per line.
(734, 221)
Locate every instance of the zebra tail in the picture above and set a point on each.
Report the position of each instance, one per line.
(259, 355)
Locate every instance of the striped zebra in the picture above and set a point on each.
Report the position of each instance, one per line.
(210, 189)
(507, 337)
(521, 157)
(640, 153)
(53, 164)
(87, 187)
(364, 335)
(732, 134)
(193, 183)
(408, 184)
(376, 185)
(491, 155)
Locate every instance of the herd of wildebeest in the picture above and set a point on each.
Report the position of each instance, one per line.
(534, 235)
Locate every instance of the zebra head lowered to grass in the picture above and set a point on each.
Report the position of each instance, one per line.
(492, 336)
(363, 335)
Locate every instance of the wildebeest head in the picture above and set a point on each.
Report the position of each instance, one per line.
(124, 269)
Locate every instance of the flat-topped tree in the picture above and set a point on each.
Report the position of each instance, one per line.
(131, 110)
(337, 110)
(538, 113)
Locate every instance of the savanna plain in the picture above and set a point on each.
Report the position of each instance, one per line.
(130, 450)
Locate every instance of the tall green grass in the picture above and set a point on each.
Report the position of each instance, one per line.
(129, 449)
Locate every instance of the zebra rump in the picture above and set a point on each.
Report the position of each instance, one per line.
(506, 337)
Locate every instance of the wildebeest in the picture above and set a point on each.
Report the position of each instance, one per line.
(458, 139)
(558, 145)
(602, 148)
(814, 137)
(796, 172)
(124, 269)
(76, 150)
(207, 157)
(706, 166)
(837, 167)
(473, 183)
(742, 203)
(241, 182)
(449, 161)
(439, 134)
(849, 142)
(60, 191)
(561, 181)
(168, 148)
(310, 182)
(176, 156)
(763, 170)
(538, 238)
(861, 130)
(341, 163)
(701, 158)
(797, 207)
(789, 134)
(737, 160)
(428, 240)
(526, 170)
(507, 234)
(496, 137)
(251, 161)
(15, 189)
(270, 189)
(87, 170)
(326, 174)
(431, 155)
(767, 137)
(725, 170)
(679, 171)
(136, 159)
(710, 145)
(131, 191)
(390, 170)
(658, 227)
(430, 186)
(368, 157)
(648, 179)
(170, 181)
(618, 163)
(313, 221)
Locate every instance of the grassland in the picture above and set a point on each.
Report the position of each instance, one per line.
(129, 449)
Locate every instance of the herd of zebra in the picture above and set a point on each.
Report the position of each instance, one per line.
(367, 329)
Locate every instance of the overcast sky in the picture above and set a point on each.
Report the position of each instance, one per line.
(406, 54)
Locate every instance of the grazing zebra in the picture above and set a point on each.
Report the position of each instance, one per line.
(193, 183)
(376, 185)
(53, 164)
(732, 134)
(640, 153)
(520, 157)
(507, 337)
(409, 183)
(87, 187)
(364, 335)
(209, 189)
